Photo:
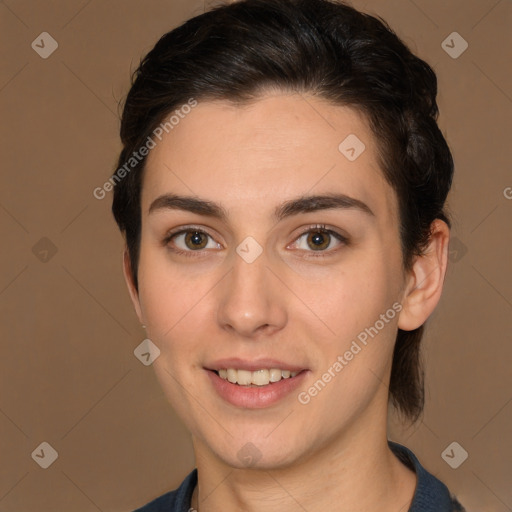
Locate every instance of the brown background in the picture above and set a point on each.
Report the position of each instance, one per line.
(68, 373)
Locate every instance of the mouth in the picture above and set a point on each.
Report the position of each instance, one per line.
(258, 378)
(255, 386)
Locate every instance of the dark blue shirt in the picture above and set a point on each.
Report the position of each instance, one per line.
(431, 495)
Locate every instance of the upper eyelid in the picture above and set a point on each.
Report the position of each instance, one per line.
(184, 229)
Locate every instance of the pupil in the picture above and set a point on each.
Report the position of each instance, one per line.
(195, 240)
(319, 240)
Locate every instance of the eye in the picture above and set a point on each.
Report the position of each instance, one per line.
(319, 239)
(190, 240)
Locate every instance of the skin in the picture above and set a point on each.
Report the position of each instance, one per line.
(293, 303)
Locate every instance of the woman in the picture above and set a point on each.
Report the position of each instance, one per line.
(281, 190)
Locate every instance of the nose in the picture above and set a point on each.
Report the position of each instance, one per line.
(252, 300)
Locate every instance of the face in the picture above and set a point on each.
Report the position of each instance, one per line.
(270, 257)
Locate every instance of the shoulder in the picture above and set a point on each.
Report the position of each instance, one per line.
(174, 501)
(431, 494)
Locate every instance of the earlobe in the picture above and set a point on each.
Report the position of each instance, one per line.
(425, 283)
(128, 277)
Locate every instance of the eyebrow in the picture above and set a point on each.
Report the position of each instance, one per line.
(304, 204)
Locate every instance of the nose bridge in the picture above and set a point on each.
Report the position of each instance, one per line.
(250, 300)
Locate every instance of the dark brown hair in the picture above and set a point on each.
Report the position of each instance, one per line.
(236, 52)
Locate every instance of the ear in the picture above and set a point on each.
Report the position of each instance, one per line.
(128, 277)
(425, 280)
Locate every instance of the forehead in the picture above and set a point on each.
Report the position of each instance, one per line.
(279, 146)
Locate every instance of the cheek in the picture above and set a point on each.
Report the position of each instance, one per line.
(178, 306)
(354, 353)
(345, 301)
(174, 313)
(160, 287)
(166, 297)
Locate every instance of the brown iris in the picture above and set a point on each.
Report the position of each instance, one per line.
(318, 240)
(195, 240)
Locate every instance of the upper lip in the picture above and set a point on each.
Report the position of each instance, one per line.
(252, 365)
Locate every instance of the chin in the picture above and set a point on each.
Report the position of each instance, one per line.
(258, 453)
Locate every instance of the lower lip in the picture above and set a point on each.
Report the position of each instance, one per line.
(255, 397)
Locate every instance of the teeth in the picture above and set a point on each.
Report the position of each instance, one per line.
(244, 377)
(261, 377)
(275, 375)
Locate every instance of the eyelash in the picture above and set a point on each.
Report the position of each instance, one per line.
(317, 228)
